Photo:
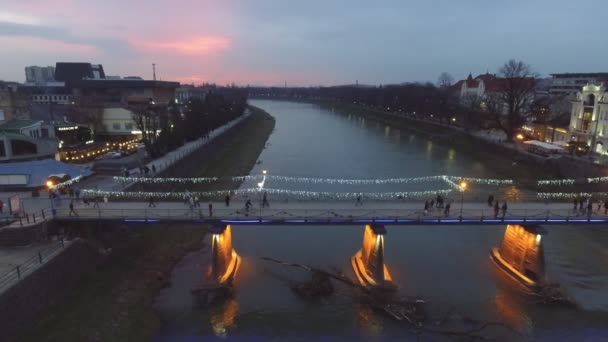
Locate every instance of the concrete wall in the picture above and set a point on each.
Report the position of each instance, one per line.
(24, 303)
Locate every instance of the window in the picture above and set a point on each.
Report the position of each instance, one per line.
(116, 126)
(45, 132)
(22, 147)
(129, 126)
(2, 149)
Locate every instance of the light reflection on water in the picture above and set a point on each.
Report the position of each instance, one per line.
(448, 266)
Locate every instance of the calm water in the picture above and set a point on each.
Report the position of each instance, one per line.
(448, 266)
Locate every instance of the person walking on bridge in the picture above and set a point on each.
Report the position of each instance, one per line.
(446, 211)
(72, 212)
(504, 209)
(358, 202)
(265, 201)
(151, 203)
(227, 200)
(589, 207)
(490, 200)
(606, 207)
(496, 209)
(210, 210)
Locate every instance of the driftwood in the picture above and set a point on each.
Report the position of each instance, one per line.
(208, 294)
(404, 309)
(551, 293)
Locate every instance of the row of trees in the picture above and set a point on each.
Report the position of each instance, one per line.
(507, 106)
(167, 127)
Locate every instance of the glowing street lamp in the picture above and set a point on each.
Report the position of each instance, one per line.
(463, 187)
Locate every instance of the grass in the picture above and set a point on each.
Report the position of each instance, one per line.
(115, 302)
(233, 154)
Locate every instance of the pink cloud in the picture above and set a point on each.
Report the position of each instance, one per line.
(197, 46)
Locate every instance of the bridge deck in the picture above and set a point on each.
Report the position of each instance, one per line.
(403, 213)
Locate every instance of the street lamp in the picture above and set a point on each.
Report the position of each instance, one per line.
(463, 187)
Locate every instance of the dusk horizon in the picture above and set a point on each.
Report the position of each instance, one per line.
(303, 44)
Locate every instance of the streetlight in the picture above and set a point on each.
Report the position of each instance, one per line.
(463, 187)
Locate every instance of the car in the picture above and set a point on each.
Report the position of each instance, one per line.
(110, 155)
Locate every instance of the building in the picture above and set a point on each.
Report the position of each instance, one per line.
(589, 118)
(187, 92)
(27, 140)
(571, 83)
(13, 103)
(68, 72)
(476, 91)
(111, 100)
(39, 75)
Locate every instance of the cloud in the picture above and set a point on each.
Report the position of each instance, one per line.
(52, 33)
(199, 45)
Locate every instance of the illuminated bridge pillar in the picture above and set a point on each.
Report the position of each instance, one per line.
(368, 262)
(224, 260)
(521, 254)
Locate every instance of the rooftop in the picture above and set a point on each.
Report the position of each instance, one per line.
(39, 170)
(124, 83)
(19, 124)
(580, 74)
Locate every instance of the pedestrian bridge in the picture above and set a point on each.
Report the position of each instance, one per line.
(332, 213)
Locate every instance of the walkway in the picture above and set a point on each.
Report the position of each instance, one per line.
(332, 212)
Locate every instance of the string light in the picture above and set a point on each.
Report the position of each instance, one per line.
(442, 178)
(282, 192)
(69, 182)
(555, 182)
(570, 195)
(597, 180)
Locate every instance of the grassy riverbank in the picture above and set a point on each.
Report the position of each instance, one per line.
(232, 154)
(115, 302)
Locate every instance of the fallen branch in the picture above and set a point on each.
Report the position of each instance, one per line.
(401, 309)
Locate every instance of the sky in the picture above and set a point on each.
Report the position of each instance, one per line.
(303, 43)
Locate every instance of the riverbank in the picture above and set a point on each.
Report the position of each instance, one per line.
(115, 303)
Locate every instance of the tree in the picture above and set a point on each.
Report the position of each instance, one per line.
(146, 118)
(445, 80)
(511, 101)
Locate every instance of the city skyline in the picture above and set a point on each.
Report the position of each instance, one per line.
(304, 44)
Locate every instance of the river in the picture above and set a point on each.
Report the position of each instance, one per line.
(447, 266)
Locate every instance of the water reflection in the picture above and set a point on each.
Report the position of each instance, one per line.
(368, 320)
(222, 317)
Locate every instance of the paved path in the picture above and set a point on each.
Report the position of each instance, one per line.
(285, 211)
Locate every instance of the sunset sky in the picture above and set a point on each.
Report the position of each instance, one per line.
(312, 42)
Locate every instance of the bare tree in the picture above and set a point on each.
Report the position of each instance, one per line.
(86, 109)
(515, 93)
(445, 80)
(146, 118)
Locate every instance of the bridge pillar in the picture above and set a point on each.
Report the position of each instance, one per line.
(521, 254)
(368, 263)
(224, 259)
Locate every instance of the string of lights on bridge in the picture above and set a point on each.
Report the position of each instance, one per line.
(297, 194)
(452, 180)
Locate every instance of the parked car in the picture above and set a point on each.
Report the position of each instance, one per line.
(110, 155)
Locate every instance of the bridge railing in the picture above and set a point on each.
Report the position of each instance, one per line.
(38, 258)
(538, 214)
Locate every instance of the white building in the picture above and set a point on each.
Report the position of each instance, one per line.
(589, 118)
(39, 75)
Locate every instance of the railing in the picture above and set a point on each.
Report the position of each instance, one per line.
(337, 215)
(27, 219)
(18, 272)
